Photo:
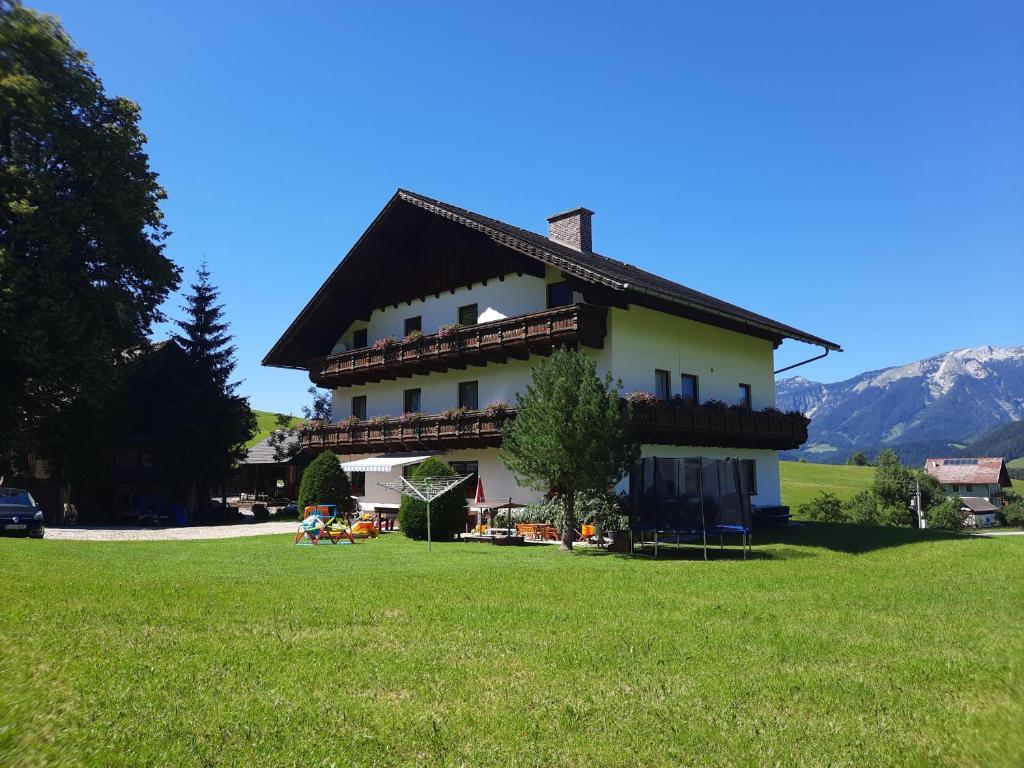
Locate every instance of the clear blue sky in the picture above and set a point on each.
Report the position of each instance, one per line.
(854, 169)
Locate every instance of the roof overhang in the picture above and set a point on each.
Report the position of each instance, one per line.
(389, 265)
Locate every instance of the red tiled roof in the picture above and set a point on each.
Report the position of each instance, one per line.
(981, 471)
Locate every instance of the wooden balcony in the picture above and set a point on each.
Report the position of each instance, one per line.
(497, 341)
(701, 425)
(476, 429)
(662, 424)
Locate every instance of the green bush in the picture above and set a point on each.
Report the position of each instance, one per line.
(448, 513)
(946, 515)
(897, 515)
(325, 482)
(825, 507)
(1014, 513)
(863, 508)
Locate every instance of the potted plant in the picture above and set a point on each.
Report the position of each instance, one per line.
(413, 420)
(384, 344)
(497, 411)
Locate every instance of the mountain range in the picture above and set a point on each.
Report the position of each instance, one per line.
(938, 405)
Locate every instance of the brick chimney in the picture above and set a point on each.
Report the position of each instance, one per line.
(572, 228)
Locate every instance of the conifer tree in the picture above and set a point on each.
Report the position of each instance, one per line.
(205, 336)
(570, 434)
(220, 421)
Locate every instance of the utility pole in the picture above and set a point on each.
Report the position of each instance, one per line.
(917, 503)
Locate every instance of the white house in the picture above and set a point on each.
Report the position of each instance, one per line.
(442, 313)
(979, 483)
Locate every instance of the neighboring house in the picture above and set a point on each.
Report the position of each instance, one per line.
(978, 482)
(437, 309)
(259, 472)
(125, 482)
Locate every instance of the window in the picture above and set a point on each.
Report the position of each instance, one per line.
(559, 295)
(411, 401)
(359, 406)
(468, 315)
(359, 339)
(413, 324)
(745, 400)
(662, 385)
(358, 482)
(748, 476)
(968, 488)
(688, 389)
(467, 468)
(409, 470)
(469, 395)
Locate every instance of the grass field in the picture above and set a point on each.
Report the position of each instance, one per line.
(802, 482)
(837, 646)
(265, 423)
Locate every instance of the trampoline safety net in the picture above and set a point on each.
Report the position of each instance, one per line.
(694, 497)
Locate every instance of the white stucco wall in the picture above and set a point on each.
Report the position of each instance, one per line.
(438, 391)
(513, 295)
(499, 483)
(641, 340)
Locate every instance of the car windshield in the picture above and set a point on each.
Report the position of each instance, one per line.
(14, 496)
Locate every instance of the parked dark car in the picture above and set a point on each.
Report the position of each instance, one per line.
(19, 514)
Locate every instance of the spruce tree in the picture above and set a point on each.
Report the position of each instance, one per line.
(220, 421)
(205, 336)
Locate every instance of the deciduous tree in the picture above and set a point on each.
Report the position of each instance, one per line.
(82, 264)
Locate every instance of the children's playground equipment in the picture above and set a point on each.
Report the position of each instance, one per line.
(364, 527)
(321, 522)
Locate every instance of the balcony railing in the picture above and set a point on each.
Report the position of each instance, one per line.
(516, 337)
(702, 425)
(662, 424)
(473, 429)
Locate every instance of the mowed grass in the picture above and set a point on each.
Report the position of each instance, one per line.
(801, 482)
(835, 645)
(266, 422)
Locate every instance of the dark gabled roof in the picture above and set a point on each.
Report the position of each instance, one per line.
(978, 504)
(263, 453)
(633, 284)
(595, 268)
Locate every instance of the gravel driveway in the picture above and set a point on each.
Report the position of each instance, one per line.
(170, 534)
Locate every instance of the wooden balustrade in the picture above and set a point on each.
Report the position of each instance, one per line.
(496, 341)
(661, 424)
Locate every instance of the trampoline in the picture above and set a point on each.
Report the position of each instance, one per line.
(689, 500)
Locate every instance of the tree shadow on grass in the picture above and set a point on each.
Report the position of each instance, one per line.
(850, 538)
(809, 536)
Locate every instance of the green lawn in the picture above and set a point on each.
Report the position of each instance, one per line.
(837, 645)
(802, 482)
(265, 423)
